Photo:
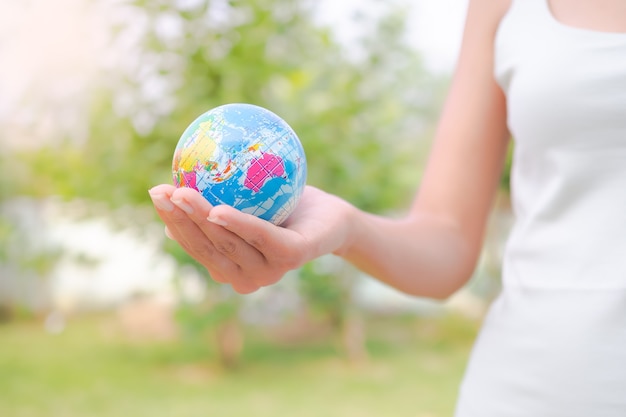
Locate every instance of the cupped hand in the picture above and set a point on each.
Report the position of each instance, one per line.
(243, 250)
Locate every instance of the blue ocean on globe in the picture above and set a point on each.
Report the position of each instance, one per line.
(244, 156)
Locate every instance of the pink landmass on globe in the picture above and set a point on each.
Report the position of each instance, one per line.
(262, 169)
(190, 180)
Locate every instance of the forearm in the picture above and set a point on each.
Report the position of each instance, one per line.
(421, 255)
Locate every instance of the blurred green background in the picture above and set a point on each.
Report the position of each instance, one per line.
(102, 316)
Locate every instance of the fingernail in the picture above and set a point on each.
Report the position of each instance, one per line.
(183, 205)
(161, 201)
(217, 221)
(168, 233)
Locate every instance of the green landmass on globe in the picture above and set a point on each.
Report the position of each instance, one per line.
(245, 156)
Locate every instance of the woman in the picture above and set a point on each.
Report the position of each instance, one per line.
(552, 74)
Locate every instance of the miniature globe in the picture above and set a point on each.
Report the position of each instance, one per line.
(244, 156)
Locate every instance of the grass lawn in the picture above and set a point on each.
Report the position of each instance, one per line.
(414, 369)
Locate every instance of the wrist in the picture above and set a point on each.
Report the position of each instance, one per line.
(352, 227)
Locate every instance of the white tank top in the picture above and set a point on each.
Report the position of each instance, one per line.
(554, 342)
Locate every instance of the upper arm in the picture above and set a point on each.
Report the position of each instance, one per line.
(469, 149)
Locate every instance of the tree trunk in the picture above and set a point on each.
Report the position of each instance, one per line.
(353, 331)
(230, 341)
(353, 336)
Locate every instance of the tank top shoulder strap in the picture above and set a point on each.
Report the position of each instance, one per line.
(529, 13)
(525, 25)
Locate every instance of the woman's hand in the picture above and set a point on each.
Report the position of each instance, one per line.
(243, 250)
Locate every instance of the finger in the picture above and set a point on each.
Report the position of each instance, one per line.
(184, 230)
(244, 256)
(160, 196)
(278, 246)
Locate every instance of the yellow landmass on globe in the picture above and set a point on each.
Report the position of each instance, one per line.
(200, 150)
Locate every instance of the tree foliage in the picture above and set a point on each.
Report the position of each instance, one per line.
(362, 110)
(358, 117)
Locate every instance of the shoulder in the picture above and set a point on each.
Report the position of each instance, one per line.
(481, 24)
(485, 15)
